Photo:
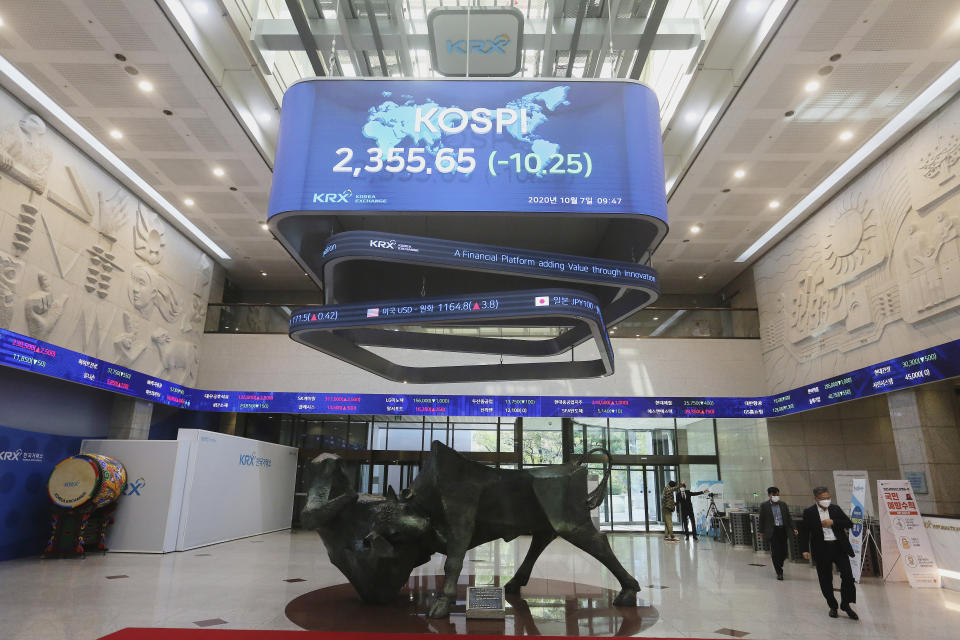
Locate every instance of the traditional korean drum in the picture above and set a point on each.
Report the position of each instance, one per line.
(86, 480)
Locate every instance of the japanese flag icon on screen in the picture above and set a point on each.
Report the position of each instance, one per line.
(541, 301)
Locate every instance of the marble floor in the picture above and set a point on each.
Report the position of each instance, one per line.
(698, 589)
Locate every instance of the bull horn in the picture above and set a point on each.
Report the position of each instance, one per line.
(318, 512)
(329, 492)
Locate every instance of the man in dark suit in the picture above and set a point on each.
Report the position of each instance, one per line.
(774, 527)
(825, 527)
(685, 504)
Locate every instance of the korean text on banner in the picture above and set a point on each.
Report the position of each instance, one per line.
(901, 523)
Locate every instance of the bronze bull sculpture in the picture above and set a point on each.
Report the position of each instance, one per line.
(453, 505)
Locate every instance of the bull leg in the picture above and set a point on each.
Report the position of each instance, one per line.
(451, 576)
(587, 537)
(522, 576)
(460, 514)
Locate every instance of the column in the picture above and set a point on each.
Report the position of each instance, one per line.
(130, 419)
(927, 436)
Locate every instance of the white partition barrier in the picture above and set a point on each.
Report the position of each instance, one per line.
(200, 489)
(235, 487)
(148, 513)
(944, 535)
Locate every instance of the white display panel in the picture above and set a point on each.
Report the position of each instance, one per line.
(148, 514)
(944, 535)
(235, 487)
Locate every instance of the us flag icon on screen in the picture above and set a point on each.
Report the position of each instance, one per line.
(541, 301)
(373, 313)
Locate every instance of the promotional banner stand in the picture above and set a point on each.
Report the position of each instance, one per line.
(904, 537)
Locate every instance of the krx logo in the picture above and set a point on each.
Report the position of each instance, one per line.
(328, 198)
(497, 45)
(11, 456)
(383, 244)
(133, 488)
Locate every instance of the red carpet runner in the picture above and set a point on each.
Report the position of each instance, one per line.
(231, 634)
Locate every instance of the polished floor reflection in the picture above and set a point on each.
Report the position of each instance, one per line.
(693, 590)
(546, 607)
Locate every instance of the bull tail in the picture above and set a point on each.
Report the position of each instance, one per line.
(595, 497)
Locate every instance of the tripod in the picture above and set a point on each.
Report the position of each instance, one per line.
(713, 512)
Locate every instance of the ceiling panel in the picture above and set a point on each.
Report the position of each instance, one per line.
(206, 133)
(102, 85)
(835, 21)
(121, 25)
(169, 84)
(150, 134)
(909, 25)
(188, 172)
(47, 25)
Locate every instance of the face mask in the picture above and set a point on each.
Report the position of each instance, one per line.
(774, 498)
(823, 503)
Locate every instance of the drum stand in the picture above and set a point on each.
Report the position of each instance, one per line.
(73, 530)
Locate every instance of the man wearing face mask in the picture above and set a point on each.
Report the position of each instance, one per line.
(825, 527)
(774, 525)
(685, 505)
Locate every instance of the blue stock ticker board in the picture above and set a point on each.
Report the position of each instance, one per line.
(493, 146)
(928, 365)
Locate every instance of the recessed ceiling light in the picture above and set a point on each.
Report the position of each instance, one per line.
(188, 202)
(753, 7)
(217, 171)
(695, 228)
(739, 173)
(691, 117)
(116, 134)
(10, 75)
(898, 125)
(266, 228)
(201, 8)
(811, 86)
(265, 117)
(1, 22)
(145, 86)
(611, 331)
(263, 273)
(656, 318)
(701, 276)
(846, 135)
(774, 204)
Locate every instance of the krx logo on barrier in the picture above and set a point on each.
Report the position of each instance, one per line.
(133, 488)
(252, 460)
(485, 47)
(21, 456)
(383, 244)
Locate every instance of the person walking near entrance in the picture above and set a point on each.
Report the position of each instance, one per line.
(685, 505)
(668, 504)
(825, 529)
(774, 527)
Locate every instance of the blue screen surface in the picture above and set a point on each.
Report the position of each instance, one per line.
(909, 370)
(465, 145)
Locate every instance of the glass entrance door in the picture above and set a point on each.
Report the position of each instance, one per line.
(633, 498)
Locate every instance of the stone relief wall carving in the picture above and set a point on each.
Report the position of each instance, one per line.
(100, 288)
(148, 237)
(43, 308)
(875, 273)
